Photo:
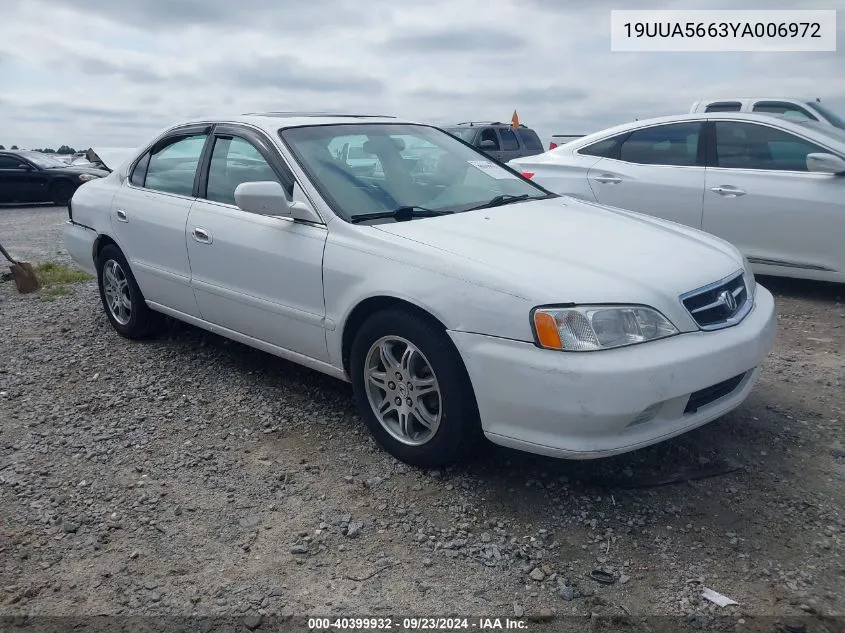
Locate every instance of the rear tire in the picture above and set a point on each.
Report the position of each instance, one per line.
(123, 302)
(61, 192)
(412, 390)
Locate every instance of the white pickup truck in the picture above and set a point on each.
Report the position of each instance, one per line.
(785, 106)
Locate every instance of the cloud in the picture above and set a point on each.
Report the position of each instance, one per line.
(291, 73)
(113, 72)
(457, 40)
(175, 15)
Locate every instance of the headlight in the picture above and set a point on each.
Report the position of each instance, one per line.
(87, 177)
(587, 328)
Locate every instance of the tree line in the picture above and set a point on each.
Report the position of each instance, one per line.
(64, 149)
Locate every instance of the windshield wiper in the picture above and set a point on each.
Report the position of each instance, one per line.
(400, 214)
(498, 201)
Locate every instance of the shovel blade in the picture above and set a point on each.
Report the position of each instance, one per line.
(25, 278)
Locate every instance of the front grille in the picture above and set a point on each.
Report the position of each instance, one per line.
(703, 397)
(720, 304)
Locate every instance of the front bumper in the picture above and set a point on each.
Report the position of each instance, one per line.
(583, 405)
(79, 242)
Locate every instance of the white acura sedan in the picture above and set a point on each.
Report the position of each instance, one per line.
(457, 298)
(773, 186)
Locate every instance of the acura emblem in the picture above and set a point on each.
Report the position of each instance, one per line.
(728, 299)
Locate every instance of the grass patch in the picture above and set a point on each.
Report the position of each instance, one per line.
(54, 292)
(52, 274)
(56, 279)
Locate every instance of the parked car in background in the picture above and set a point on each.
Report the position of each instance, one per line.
(785, 106)
(500, 141)
(772, 186)
(562, 139)
(27, 176)
(473, 302)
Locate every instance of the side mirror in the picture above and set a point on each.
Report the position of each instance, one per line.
(267, 197)
(825, 163)
(488, 144)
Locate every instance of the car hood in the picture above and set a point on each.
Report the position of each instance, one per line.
(562, 250)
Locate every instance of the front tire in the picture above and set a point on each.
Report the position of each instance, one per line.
(123, 302)
(412, 390)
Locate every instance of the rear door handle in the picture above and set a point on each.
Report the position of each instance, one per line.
(608, 179)
(728, 191)
(121, 216)
(201, 235)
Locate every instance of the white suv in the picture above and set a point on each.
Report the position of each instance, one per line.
(784, 106)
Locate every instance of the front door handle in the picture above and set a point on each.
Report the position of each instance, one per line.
(608, 179)
(728, 191)
(201, 235)
(121, 216)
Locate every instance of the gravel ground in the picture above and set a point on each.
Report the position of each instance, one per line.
(192, 475)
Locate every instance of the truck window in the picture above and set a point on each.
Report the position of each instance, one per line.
(489, 134)
(787, 109)
(724, 106)
(509, 142)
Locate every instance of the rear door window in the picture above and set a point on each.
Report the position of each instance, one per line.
(173, 168)
(509, 141)
(674, 144)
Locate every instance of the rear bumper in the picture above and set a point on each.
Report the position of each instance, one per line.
(595, 404)
(79, 242)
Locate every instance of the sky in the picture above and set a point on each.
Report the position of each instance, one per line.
(115, 72)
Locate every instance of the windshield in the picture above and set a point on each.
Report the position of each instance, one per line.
(830, 116)
(447, 176)
(45, 161)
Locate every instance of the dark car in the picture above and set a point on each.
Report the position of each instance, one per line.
(36, 177)
(500, 141)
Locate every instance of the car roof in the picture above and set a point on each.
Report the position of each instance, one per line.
(271, 122)
(483, 123)
(787, 123)
(801, 99)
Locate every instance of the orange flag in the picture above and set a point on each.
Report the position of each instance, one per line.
(515, 120)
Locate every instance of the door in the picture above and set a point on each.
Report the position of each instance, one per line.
(509, 144)
(658, 170)
(149, 214)
(20, 181)
(760, 196)
(254, 274)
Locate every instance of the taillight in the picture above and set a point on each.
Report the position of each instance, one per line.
(552, 145)
(528, 174)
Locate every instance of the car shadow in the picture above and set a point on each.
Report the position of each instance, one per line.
(826, 291)
(709, 451)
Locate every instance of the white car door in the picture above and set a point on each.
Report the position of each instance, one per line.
(656, 170)
(257, 275)
(760, 196)
(149, 213)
